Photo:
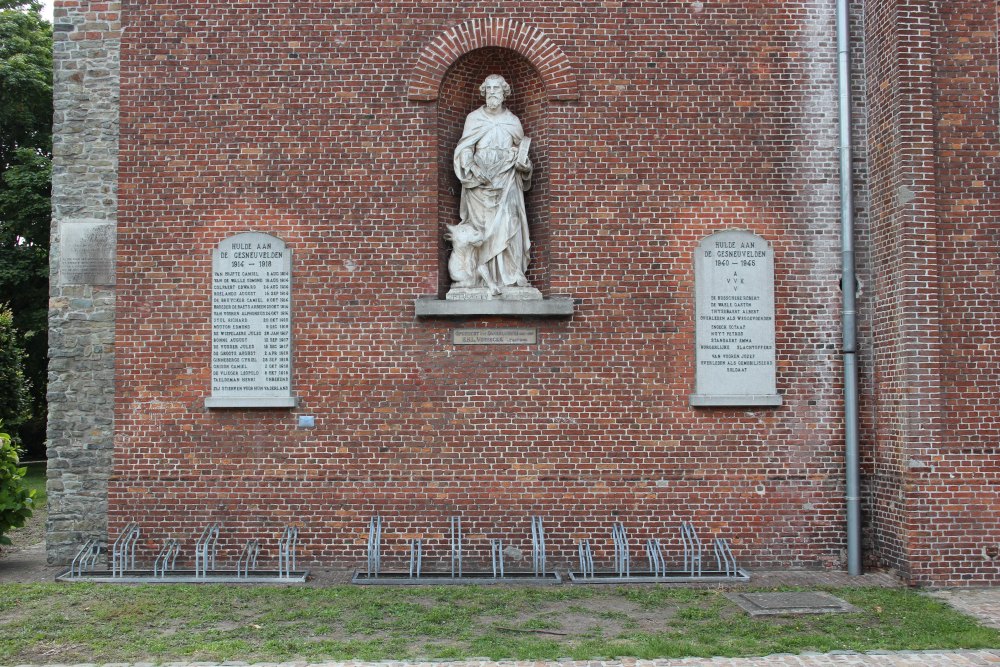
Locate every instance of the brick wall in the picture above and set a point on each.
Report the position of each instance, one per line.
(957, 503)
(332, 125)
(299, 119)
(932, 119)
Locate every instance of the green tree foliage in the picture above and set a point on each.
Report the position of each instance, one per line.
(15, 406)
(16, 498)
(25, 178)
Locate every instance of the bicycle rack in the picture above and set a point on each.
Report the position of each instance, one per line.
(692, 568)
(123, 568)
(457, 570)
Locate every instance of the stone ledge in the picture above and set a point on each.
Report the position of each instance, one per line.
(251, 402)
(429, 306)
(735, 400)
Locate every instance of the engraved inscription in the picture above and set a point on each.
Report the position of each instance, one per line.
(495, 336)
(734, 285)
(88, 253)
(251, 317)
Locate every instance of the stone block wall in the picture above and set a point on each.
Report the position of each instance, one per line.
(81, 316)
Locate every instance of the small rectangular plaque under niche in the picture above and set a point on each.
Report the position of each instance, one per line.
(510, 336)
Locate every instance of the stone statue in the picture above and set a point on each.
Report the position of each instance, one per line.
(491, 247)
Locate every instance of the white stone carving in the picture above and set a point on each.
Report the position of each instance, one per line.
(491, 245)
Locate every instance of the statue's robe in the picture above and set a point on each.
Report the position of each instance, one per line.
(495, 209)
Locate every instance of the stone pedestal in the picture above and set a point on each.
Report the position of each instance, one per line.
(512, 293)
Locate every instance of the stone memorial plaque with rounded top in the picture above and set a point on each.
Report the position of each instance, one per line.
(251, 323)
(734, 321)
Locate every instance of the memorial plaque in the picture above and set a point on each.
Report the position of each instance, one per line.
(251, 323)
(87, 250)
(734, 321)
(494, 336)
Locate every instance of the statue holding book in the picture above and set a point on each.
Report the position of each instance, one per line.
(491, 246)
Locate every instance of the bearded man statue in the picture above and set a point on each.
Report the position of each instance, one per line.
(491, 160)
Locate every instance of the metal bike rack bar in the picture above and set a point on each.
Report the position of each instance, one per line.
(622, 563)
(496, 554)
(85, 558)
(123, 550)
(287, 545)
(166, 559)
(416, 557)
(248, 559)
(586, 559)
(537, 546)
(374, 546)
(654, 553)
(692, 549)
(724, 559)
(205, 550)
(456, 546)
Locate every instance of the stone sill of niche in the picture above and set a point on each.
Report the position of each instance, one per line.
(735, 400)
(557, 306)
(249, 402)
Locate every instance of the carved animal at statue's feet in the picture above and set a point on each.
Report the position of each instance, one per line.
(462, 263)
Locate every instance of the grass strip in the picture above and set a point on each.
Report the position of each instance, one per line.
(92, 623)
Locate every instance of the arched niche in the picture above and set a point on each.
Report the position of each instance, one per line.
(458, 96)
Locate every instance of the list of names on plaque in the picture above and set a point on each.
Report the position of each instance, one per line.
(251, 322)
(88, 253)
(734, 328)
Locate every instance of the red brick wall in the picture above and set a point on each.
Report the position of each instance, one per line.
(889, 80)
(958, 500)
(294, 119)
(933, 143)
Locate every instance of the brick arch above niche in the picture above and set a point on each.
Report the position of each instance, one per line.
(442, 52)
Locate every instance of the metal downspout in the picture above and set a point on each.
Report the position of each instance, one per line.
(849, 289)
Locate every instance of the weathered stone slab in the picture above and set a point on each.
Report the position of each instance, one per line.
(509, 336)
(802, 602)
(734, 321)
(251, 323)
(87, 252)
(553, 307)
(510, 293)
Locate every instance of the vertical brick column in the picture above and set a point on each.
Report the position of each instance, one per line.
(904, 254)
(81, 316)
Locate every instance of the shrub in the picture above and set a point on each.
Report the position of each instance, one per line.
(16, 498)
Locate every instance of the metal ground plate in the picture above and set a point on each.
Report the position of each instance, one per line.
(187, 577)
(670, 577)
(443, 579)
(805, 602)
